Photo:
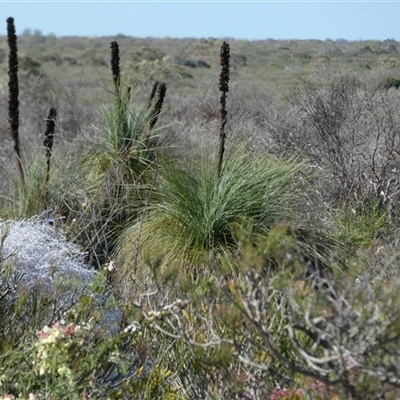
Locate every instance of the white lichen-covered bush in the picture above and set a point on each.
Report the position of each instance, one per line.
(40, 254)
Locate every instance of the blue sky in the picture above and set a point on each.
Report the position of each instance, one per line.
(351, 20)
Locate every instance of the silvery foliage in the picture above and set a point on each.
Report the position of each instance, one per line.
(39, 254)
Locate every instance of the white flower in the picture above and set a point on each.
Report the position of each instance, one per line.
(114, 356)
(110, 266)
(133, 327)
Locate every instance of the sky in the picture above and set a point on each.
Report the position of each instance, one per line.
(252, 20)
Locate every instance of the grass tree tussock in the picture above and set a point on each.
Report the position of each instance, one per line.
(191, 221)
(118, 176)
(129, 133)
(116, 179)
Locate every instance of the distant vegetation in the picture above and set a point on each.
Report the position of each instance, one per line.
(199, 218)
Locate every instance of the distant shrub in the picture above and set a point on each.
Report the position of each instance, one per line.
(389, 62)
(147, 53)
(70, 60)
(351, 131)
(238, 60)
(52, 57)
(92, 58)
(203, 64)
(30, 66)
(391, 83)
(365, 49)
(194, 63)
(188, 63)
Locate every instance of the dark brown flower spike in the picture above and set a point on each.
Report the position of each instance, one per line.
(161, 91)
(153, 92)
(115, 64)
(49, 133)
(224, 88)
(13, 91)
(48, 143)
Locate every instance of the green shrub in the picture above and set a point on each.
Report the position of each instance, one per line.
(391, 83)
(60, 361)
(34, 196)
(360, 224)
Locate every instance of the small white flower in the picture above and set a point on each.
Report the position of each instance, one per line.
(110, 266)
(133, 327)
(114, 356)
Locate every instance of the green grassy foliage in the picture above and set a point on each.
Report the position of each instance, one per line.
(191, 220)
(33, 197)
(363, 223)
(114, 179)
(124, 139)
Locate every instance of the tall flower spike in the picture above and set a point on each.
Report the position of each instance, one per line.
(153, 92)
(13, 91)
(224, 62)
(48, 144)
(224, 88)
(115, 64)
(49, 133)
(161, 91)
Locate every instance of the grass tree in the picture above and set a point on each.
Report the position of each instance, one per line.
(191, 221)
(115, 179)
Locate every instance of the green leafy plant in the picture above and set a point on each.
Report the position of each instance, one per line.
(191, 218)
(35, 195)
(359, 225)
(60, 361)
(115, 179)
(113, 182)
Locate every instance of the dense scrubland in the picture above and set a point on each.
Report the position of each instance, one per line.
(199, 218)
